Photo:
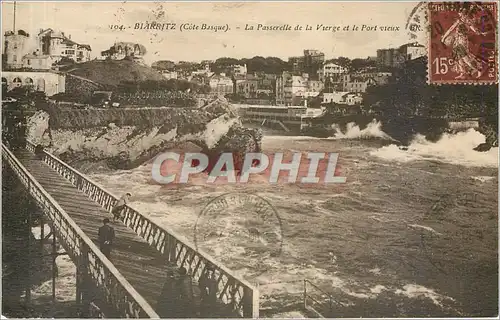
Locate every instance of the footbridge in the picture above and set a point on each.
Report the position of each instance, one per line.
(129, 285)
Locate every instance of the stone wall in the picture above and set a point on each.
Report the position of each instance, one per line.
(81, 87)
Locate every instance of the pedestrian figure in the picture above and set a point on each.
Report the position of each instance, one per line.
(208, 286)
(120, 205)
(106, 236)
(166, 302)
(39, 151)
(185, 297)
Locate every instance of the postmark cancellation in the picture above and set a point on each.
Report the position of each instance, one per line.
(243, 221)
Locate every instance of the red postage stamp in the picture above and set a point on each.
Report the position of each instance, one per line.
(463, 46)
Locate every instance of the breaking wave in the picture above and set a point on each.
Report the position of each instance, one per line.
(353, 131)
(456, 148)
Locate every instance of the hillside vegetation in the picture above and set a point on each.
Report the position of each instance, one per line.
(115, 72)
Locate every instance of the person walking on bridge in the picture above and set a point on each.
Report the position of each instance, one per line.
(120, 205)
(208, 285)
(185, 298)
(106, 236)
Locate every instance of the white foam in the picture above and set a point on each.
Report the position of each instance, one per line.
(415, 291)
(451, 148)
(482, 178)
(353, 131)
(417, 226)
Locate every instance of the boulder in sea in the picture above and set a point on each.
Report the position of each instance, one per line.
(483, 147)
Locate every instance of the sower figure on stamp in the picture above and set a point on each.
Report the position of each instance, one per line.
(458, 38)
(106, 236)
(120, 206)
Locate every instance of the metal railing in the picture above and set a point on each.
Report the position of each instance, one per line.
(239, 296)
(92, 264)
(318, 301)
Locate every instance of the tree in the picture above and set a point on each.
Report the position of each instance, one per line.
(359, 64)
(162, 65)
(341, 61)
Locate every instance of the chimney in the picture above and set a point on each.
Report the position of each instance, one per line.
(69, 37)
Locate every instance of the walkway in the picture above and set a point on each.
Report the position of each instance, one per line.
(136, 260)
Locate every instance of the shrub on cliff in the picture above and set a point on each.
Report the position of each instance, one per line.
(408, 94)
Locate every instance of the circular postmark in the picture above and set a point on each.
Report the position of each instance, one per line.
(417, 23)
(241, 223)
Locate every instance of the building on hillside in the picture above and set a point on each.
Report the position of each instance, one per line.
(343, 98)
(355, 83)
(412, 51)
(239, 70)
(221, 85)
(169, 74)
(246, 85)
(296, 64)
(344, 109)
(56, 43)
(310, 62)
(314, 86)
(395, 57)
(123, 50)
(292, 89)
(313, 60)
(16, 46)
(330, 70)
(353, 99)
(200, 79)
(44, 62)
(379, 77)
(295, 88)
(41, 52)
(392, 58)
(266, 81)
(203, 71)
(279, 90)
(334, 97)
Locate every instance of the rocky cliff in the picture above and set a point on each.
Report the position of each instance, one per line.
(124, 138)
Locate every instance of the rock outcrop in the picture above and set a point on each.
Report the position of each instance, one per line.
(127, 138)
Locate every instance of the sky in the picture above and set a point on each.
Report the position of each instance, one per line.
(89, 23)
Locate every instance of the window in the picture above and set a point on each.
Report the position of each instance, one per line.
(14, 58)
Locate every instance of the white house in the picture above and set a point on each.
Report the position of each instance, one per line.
(330, 70)
(221, 84)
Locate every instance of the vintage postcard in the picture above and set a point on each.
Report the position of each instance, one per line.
(249, 159)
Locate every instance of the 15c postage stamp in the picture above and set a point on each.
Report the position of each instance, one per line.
(463, 43)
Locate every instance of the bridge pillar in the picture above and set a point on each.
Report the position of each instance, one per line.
(82, 293)
(30, 257)
(54, 266)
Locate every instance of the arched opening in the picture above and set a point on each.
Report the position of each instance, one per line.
(17, 82)
(40, 85)
(4, 81)
(28, 81)
(137, 50)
